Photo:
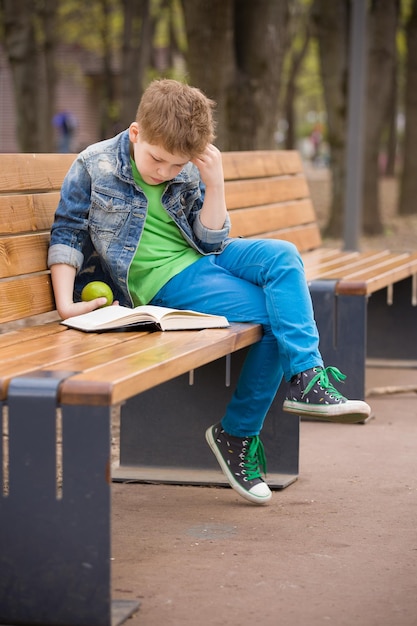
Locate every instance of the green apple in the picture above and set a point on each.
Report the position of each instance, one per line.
(97, 289)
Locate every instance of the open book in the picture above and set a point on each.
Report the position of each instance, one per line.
(162, 318)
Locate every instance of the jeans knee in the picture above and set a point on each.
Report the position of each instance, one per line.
(290, 249)
(286, 254)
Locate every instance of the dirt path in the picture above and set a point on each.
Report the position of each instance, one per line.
(400, 232)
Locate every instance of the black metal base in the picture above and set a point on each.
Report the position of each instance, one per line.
(162, 431)
(392, 328)
(121, 610)
(184, 476)
(354, 328)
(55, 556)
(341, 321)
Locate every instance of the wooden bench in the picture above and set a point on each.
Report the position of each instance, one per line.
(55, 472)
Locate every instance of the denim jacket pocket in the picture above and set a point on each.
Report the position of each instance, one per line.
(107, 216)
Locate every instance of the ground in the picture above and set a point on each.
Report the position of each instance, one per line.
(400, 233)
(337, 547)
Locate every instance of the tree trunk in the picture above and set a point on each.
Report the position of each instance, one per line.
(260, 45)
(244, 43)
(210, 63)
(48, 19)
(22, 53)
(331, 23)
(136, 52)
(107, 114)
(296, 60)
(383, 19)
(408, 191)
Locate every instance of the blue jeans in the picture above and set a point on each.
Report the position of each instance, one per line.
(260, 281)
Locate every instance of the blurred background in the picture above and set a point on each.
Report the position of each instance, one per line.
(72, 73)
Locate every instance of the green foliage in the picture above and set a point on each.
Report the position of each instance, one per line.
(160, 11)
(178, 26)
(310, 89)
(169, 31)
(85, 24)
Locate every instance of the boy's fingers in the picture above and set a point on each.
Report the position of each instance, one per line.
(91, 305)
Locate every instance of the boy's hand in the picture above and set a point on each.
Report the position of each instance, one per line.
(210, 165)
(213, 212)
(78, 308)
(63, 277)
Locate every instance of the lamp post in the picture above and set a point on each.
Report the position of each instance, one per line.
(356, 115)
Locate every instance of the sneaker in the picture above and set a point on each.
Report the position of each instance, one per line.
(311, 393)
(240, 460)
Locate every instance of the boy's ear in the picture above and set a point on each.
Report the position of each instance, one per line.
(133, 132)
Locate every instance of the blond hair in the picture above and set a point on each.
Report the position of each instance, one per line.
(177, 117)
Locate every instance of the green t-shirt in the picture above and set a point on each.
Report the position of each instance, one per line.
(162, 252)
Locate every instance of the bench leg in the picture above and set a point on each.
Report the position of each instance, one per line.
(162, 430)
(354, 328)
(341, 321)
(392, 314)
(55, 512)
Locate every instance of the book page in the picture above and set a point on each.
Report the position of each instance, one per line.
(100, 316)
(119, 316)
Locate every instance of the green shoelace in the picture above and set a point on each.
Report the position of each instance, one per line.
(255, 459)
(322, 378)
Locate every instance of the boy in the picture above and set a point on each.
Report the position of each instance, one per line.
(145, 212)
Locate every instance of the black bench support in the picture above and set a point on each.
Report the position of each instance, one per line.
(55, 512)
(341, 321)
(354, 328)
(392, 329)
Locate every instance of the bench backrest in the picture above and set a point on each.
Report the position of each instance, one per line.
(267, 195)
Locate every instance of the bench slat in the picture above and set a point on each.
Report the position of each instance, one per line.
(114, 354)
(246, 193)
(361, 273)
(238, 165)
(18, 336)
(379, 278)
(33, 172)
(90, 352)
(58, 347)
(139, 347)
(26, 213)
(23, 255)
(365, 267)
(317, 260)
(71, 347)
(304, 237)
(25, 297)
(314, 257)
(113, 383)
(258, 219)
(344, 263)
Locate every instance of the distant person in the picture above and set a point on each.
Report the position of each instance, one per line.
(146, 212)
(66, 125)
(316, 139)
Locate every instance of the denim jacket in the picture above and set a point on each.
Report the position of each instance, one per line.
(101, 214)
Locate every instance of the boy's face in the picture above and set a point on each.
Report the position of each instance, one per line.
(154, 163)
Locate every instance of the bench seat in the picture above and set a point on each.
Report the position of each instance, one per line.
(111, 367)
